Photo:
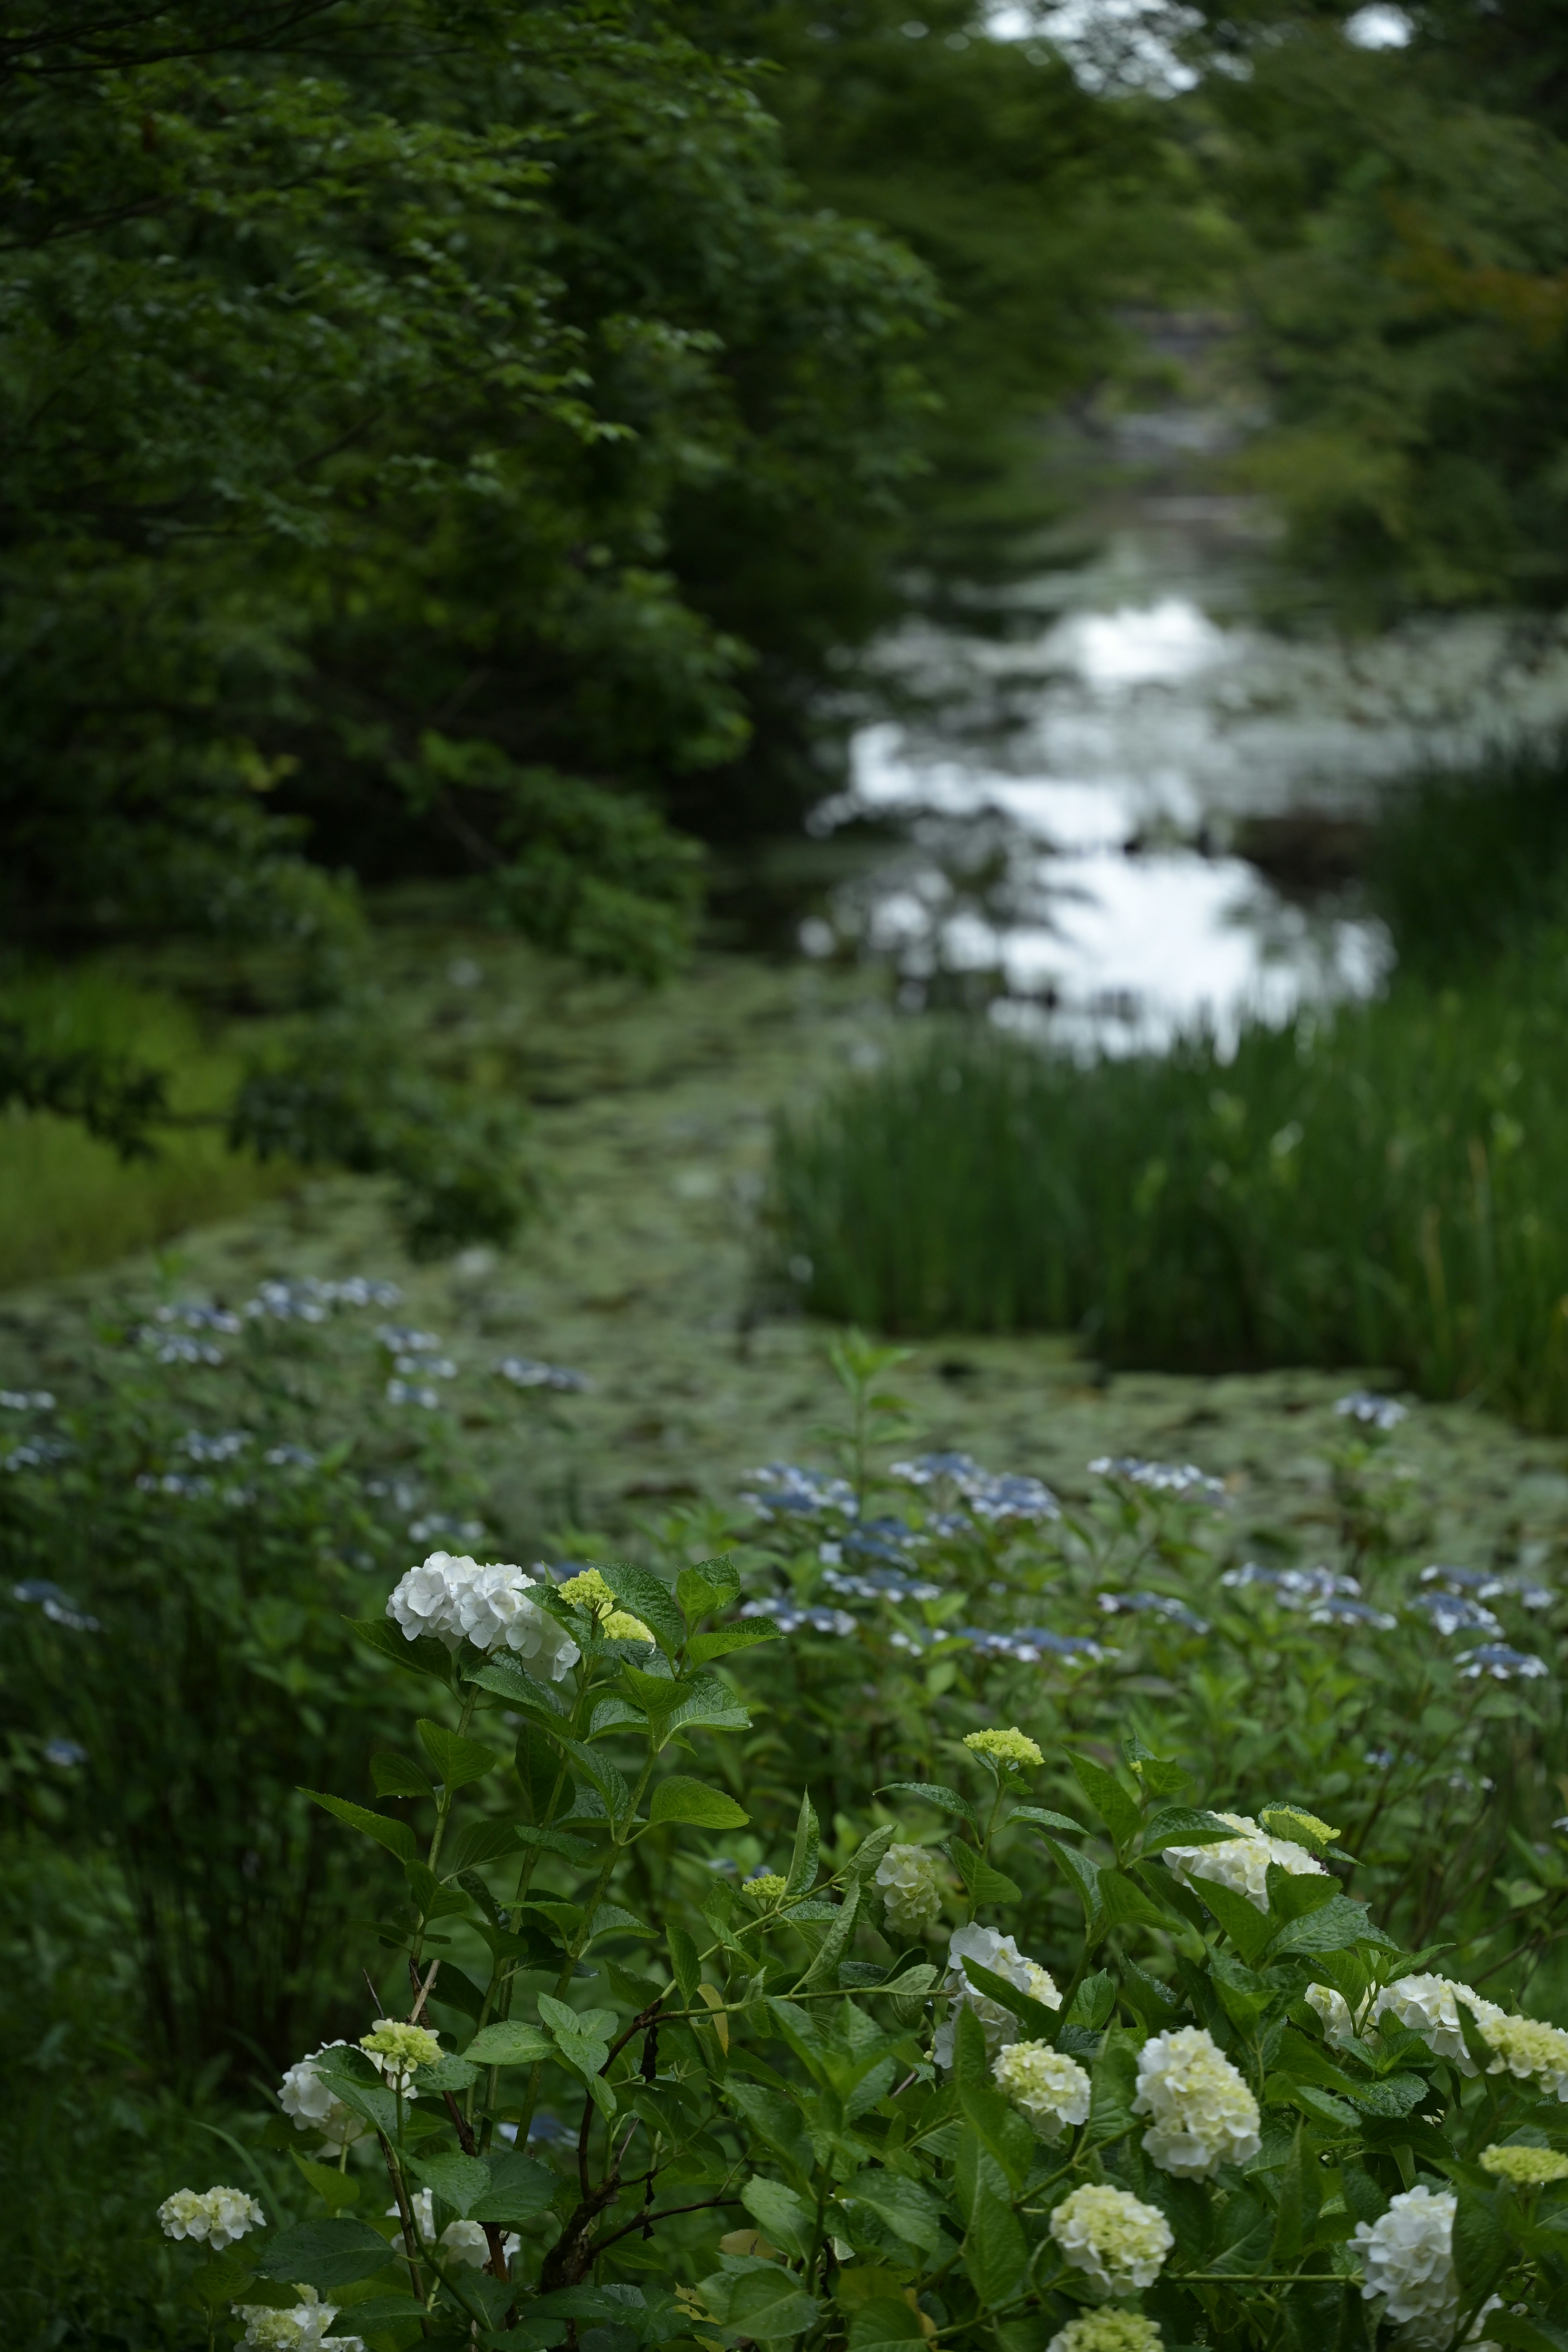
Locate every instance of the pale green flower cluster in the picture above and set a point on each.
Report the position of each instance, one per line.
(217, 2217)
(303, 2329)
(1429, 2006)
(1045, 2085)
(1204, 2115)
(404, 2046)
(1408, 2264)
(1527, 2048)
(768, 1888)
(1526, 2167)
(1107, 2331)
(1113, 2237)
(910, 1880)
(1013, 1747)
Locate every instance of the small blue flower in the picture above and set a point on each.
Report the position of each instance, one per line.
(927, 1468)
(64, 1753)
(529, 1373)
(1152, 1604)
(1501, 1663)
(1379, 1412)
(790, 1617)
(996, 1500)
(1449, 1612)
(1183, 1480)
(56, 1606)
(784, 1490)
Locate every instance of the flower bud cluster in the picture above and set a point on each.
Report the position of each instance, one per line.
(910, 1880)
(1045, 2085)
(217, 2217)
(1107, 2331)
(303, 2329)
(1204, 2115)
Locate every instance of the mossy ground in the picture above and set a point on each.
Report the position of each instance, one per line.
(652, 1126)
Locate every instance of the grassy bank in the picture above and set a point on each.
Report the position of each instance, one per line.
(1388, 1184)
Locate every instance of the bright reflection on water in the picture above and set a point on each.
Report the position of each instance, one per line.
(1070, 817)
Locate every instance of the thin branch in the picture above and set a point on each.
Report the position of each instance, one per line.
(645, 2220)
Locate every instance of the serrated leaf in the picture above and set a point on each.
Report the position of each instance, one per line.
(1335, 1927)
(457, 1761)
(648, 1597)
(680, 1799)
(996, 2254)
(395, 1836)
(325, 2254)
(395, 1776)
(1083, 1876)
(801, 1875)
(421, 1656)
(983, 1884)
(711, 1584)
(505, 1676)
(725, 1638)
(913, 2211)
(705, 1703)
(519, 2190)
(1121, 1814)
(1481, 2250)
(825, 1962)
(785, 2218)
(1041, 2024)
(1123, 1903)
(1248, 1928)
(1185, 1825)
(458, 2181)
(574, 1849)
(1044, 1819)
(336, 2190)
(932, 1792)
(771, 2303)
(510, 2044)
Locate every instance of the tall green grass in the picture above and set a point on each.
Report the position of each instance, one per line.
(67, 1201)
(1387, 1185)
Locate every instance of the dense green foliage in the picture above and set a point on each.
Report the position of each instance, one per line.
(1406, 209)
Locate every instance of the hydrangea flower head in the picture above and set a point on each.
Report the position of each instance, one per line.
(1241, 1862)
(909, 1879)
(1340, 2023)
(314, 2105)
(464, 2241)
(404, 2046)
(1429, 2006)
(768, 1886)
(454, 1599)
(216, 2217)
(1528, 2168)
(1014, 1746)
(588, 1589)
(620, 1626)
(1527, 2049)
(1118, 2241)
(1204, 2115)
(1408, 2264)
(1001, 1954)
(1050, 2089)
(1107, 2331)
(303, 2329)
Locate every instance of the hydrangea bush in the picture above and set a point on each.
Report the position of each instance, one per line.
(608, 2110)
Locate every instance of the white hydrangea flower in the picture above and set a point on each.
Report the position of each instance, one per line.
(303, 2329)
(464, 2241)
(313, 2106)
(1241, 1862)
(910, 1882)
(1339, 2022)
(1001, 1954)
(216, 2216)
(1428, 2005)
(452, 1599)
(1204, 2114)
(1045, 2085)
(1408, 2262)
(1117, 2240)
(1107, 2331)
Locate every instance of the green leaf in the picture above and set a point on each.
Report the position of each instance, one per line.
(801, 1875)
(1094, 2001)
(683, 1800)
(1481, 2250)
(1004, 2132)
(459, 1762)
(784, 2218)
(1153, 2001)
(446, 2075)
(1526, 2335)
(1248, 1928)
(1299, 2194)
(996, 2254)
(712, 1584)
(597, 1768)
(648, 1597)
(1335, 1927)
(511, 2043)
(825, 1961)
(684, 1962)
(769, 2303)
(1185, 1825)
(705, 1703)
(395, 1776)
(725, 1638)
(325, 2254)
(1114, 2087)
(458, 2181)
(1244, 2235)
(395, 1836)
(1121, 1814)
(1044, 1820)
(574, 1849)
(420, 1656)
(884, 2319)
(503, 1675)
(1084, 1877)
(336, 2190)
(868, 1854)
(519, 2193)
(1123, 1903)
(914, 2213)
(983, 1884)
(656, 1695)
(931, 1793)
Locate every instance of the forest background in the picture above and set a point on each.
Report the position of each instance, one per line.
(458, 460)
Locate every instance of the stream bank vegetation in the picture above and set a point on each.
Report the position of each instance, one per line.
(1376, 1183)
